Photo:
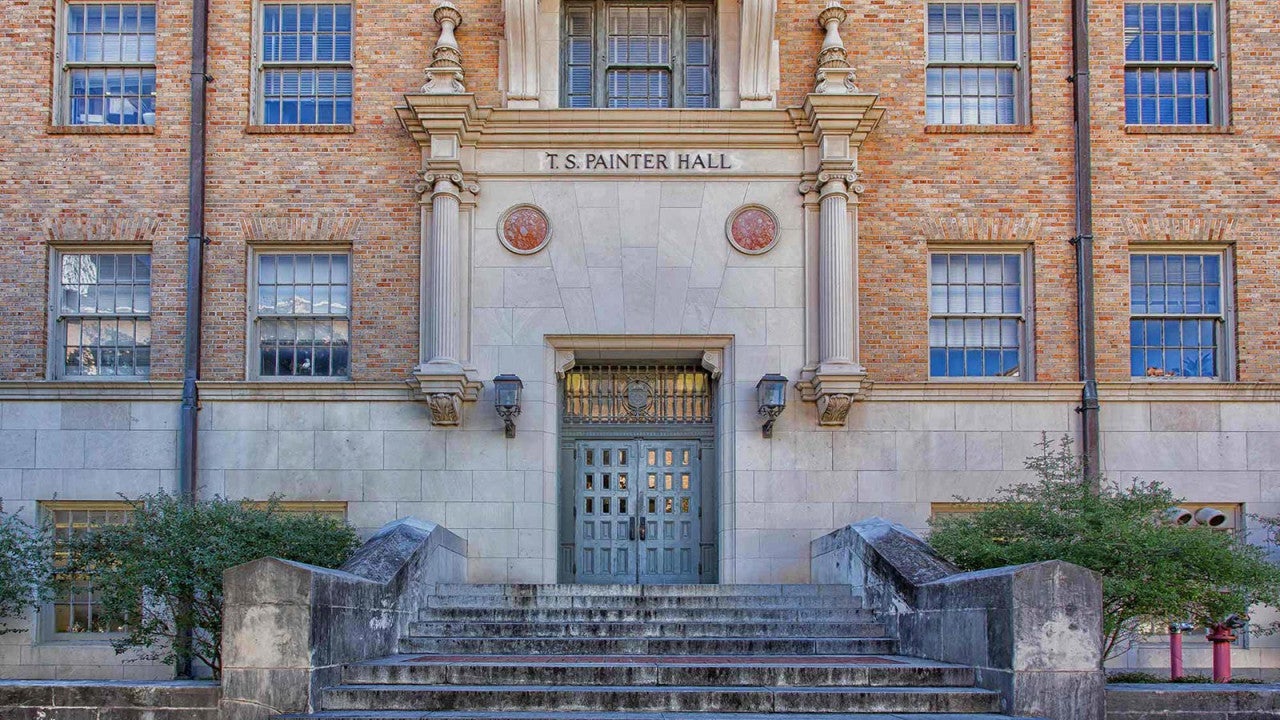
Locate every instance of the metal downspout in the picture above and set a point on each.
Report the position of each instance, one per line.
(187, 429)
(1083, 242)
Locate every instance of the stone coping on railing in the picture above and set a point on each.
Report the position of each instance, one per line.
(1032, 632)
(78, 699)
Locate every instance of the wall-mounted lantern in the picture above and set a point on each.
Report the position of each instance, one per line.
(771, 392)
(506, 400)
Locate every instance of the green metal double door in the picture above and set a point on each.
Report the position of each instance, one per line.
(637, 511)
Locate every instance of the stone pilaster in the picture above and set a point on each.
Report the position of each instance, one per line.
(756, 54)
(839, 115)
(520, 26)
(444, 380)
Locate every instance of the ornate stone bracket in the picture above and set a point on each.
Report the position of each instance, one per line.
(834, 389)
(444, 74)
(835, 75)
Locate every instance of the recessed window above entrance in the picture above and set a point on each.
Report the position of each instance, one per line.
(638, 54)
(637, 394)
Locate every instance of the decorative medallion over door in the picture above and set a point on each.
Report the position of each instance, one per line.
(637, 485)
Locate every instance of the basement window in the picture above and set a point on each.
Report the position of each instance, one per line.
(75, 612)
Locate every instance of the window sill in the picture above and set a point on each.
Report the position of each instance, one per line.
(980, 129)
(1179, 129)
(1157, 380)
(299, 129)
(101, 130)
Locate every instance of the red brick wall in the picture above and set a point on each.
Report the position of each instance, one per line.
(912, 179)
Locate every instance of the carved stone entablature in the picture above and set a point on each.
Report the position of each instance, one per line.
(834, 388)
(87, 229)
(1167, 229)
(979, 229)
(300, 229)
(444, 74)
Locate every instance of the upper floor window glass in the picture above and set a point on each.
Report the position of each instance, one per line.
(103, 315)
(977, 314)
(1171, 63)
(638, 54)
(305, 68)
(974, 73)
(302, 315)
(1177, 326)
(108, 64)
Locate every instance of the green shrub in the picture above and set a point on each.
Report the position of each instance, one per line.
(1152, 572)
(161, 572)
(26, 568)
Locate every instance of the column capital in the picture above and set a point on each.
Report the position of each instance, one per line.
(444, 182)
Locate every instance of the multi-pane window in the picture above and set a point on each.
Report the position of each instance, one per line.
(638, 54)
(1171, 55)
(974, 70)
(305, 72)
(108, 64)
(302, 315)
(976, 316)
(1178, 320)
(103, 314)
(75, 609)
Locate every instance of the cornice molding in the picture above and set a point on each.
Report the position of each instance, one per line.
(489, 127)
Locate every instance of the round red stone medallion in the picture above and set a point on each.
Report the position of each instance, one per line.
(753, 229)
(524, 229)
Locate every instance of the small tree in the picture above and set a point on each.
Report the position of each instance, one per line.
(1152, 571)
(161, 572)
(26, 568)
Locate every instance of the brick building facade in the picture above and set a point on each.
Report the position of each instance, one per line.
(445, 228)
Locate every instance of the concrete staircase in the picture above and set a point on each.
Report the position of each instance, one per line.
(630, 652)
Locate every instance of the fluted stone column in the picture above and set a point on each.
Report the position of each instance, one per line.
(444, 314)
(835, 275)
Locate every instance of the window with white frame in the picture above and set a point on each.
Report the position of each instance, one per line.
(75, 610)
(1177, 325)
(305, 74)
(102, 315)
(977, 314)
(975, 64)
(108, 64)
(638, 54)
(301, 323)
(1171, 56)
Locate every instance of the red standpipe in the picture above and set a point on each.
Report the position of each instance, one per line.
(1221, 637)
(1175, 652)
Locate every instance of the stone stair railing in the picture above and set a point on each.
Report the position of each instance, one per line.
(1033, 633)
(289, 628)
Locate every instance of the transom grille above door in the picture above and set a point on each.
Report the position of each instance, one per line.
(637, 394)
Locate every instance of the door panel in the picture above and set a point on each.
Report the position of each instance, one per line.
(637, 511)
(605, 511)
(670, 545)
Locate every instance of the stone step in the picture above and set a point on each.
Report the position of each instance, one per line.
(635, 670)
(723, 602)
(656, 615)
(658, 699)
(649, 646)
(644, 629)
(571, 715)
(746, 590)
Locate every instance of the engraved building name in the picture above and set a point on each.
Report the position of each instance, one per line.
(642, 161)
